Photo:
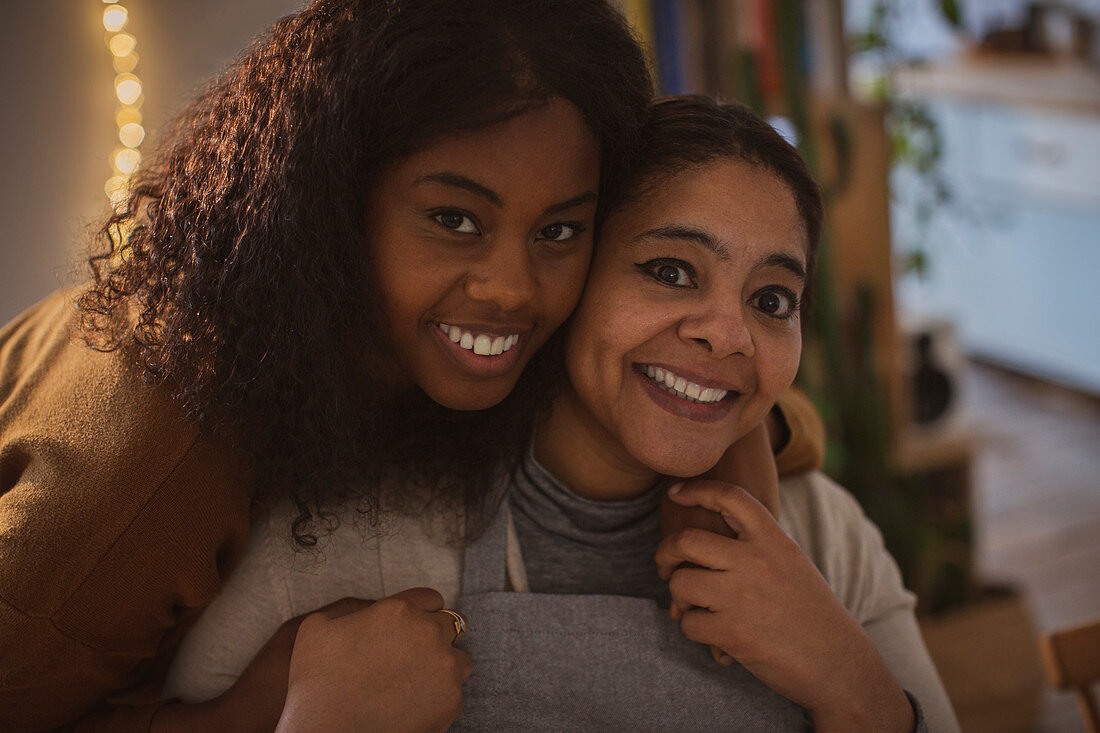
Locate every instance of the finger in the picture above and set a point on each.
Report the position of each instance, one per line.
(455, 621)
(693, 587)
(464, 666)
(720, 656)
(695, 546)
(700, 625)
(426, 599)
(742, 512)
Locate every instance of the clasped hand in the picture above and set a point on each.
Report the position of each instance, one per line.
(759, 599)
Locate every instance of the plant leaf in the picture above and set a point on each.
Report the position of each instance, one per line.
(950, 10)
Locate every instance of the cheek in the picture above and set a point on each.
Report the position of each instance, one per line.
(590, 350)
(564, 286)
(777, 363)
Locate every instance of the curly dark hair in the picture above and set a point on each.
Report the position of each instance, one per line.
(690, 130)
(236, 271)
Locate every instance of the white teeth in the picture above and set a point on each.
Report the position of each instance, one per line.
(482, 344)
(684, 389)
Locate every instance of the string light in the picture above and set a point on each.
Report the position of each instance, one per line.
(115, 17)
(129, 94)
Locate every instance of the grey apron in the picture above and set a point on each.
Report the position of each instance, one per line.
(594, 662)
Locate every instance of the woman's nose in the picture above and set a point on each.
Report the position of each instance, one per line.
(505, 278)
(721, 329)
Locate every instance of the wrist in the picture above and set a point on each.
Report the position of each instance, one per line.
(885, 708)
(306, 711)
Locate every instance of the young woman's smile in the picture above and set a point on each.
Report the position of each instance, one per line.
(689, 327)
(482, 242)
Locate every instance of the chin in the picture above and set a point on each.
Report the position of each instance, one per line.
(469, 398)
(679, 463)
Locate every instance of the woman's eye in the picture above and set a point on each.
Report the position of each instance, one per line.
(457, 222)
(560, 232)
(672, 273)
(776, 303)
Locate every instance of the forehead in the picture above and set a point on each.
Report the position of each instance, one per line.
(747, 207)
(555, 135)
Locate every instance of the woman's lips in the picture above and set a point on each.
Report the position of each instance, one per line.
(685, 398)
(483, 352)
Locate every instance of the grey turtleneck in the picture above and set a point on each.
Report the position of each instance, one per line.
(571, 544)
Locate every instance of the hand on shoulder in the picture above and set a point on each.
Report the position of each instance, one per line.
(762, 601)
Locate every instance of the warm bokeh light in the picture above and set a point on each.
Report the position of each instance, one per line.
(127, 160)
(120, 233)
(128, 115)
(127, 88)
(131, 134)
(114, 18)
(124, 64)
(122, 44)
(117, 189)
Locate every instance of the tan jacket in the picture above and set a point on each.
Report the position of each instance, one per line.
(119, 524)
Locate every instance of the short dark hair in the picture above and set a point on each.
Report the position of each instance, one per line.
(245, 264)
(692, 130)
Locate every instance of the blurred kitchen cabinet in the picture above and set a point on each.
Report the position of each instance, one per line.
(1013, 259)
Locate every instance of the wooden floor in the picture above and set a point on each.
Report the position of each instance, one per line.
(1037, 503)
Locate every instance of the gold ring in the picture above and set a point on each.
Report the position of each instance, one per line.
(459, 622)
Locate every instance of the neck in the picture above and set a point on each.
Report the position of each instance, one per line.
(576, 448)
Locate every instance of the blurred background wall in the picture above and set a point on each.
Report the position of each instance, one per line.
(59, 130)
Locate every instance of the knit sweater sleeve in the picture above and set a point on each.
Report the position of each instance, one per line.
(118, 524)
(830, 527)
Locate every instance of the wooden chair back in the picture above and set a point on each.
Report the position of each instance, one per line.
(1071, 658)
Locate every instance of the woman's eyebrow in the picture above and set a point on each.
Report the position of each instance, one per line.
(689, 234)
(467, 184)
(457, 180)
(787, 262)
(584, 198)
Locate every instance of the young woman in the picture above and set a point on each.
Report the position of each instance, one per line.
(257, 337)
(688, 332)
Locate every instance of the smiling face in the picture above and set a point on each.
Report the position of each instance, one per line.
(480, 244)
(689, 327)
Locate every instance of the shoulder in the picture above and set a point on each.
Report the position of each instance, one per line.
(104, 483)
(829, 525)
(817, 512)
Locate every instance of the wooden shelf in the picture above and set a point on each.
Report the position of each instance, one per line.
(1031, 80)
